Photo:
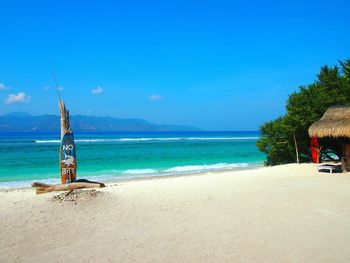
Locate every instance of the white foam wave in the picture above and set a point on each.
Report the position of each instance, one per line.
(201, 168)
(155, 139)
(47, 141)
(140, 171)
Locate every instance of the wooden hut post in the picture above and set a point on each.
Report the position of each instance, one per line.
(345, 161)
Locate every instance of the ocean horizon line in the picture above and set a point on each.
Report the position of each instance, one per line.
(146, 131)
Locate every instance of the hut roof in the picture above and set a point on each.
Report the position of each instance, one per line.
(335, 122)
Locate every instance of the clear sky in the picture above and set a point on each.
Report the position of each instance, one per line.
(216, 65)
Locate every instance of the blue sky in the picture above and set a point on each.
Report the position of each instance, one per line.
(216, 65)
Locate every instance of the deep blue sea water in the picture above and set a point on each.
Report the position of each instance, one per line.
(25, 157)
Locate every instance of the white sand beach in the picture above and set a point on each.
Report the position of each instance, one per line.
(288, 213)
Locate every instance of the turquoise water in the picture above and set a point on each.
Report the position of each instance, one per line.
(25, 157)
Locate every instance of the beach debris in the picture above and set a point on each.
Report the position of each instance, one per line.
(76, 196)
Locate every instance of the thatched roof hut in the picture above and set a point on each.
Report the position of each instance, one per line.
(334, 126)
(335, 123)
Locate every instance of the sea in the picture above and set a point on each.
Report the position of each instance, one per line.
(34, 156)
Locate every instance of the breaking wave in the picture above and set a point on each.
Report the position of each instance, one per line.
(140, 171)
(209, 167)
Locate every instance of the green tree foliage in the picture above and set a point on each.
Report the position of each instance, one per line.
(304, 107)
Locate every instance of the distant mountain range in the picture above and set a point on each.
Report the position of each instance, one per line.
(20, 121)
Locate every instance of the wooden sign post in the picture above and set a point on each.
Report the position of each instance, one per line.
(68, 163)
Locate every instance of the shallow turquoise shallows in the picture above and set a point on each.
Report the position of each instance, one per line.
(25, 157)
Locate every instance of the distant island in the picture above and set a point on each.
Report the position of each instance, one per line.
(24, 122)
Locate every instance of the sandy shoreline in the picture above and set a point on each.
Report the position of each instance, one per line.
(116, 179)
(286, 213)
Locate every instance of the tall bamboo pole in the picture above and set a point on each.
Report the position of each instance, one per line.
(296, 148)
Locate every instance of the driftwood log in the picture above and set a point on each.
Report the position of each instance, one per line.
(42, 188)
